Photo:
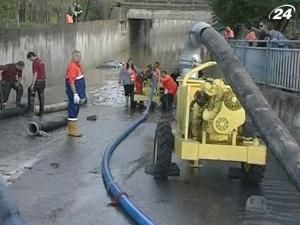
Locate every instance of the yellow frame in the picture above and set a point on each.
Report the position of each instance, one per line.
(189, 149)
(194, 150)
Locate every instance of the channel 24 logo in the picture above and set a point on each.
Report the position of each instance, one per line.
(282, 12)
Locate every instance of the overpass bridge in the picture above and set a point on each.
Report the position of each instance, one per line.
(164, 9)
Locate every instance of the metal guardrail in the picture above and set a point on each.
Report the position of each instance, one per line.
(276, 63)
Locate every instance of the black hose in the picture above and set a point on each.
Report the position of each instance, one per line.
(281, 143)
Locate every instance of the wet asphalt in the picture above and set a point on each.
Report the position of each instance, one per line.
(57, 179)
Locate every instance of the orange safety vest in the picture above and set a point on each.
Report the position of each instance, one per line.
(69, 19)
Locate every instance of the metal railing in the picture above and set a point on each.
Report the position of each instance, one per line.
(273, 63)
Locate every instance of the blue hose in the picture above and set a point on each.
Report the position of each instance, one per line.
(111, 185)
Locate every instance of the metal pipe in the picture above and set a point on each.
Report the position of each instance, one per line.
(12, 112)
(8, 113)
(9, 214)
(279, 140)
(57, 107)
(53, 107)
(34, 128)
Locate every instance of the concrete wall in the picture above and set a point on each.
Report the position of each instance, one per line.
(170, 15)
(97, 41)
(286, 105)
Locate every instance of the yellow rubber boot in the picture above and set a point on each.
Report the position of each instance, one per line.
(73, 129)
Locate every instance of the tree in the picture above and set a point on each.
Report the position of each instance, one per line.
(8, 9)
(49, 11)
(234, 12)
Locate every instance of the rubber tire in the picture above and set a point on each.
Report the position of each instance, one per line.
(253, 175)
(162, 151)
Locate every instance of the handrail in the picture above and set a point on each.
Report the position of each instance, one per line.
(196, 70)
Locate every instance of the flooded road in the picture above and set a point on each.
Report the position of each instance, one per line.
(57, 179)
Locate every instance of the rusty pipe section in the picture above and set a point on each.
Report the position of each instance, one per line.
(8, 113)
(52, 107)
(57, 107)
(38, 127)
(279, 140)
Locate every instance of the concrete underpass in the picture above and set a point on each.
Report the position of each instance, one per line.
(57, 179)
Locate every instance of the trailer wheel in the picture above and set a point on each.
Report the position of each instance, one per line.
(162, 152)
(252, 174)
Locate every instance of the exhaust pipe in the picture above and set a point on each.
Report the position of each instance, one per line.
(35, 128)
(281, 143)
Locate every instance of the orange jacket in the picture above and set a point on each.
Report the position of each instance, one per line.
(169, 84)
(251, 36)
(74, 72)
(228, 34)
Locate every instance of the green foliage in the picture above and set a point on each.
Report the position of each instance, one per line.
(8, 9)
(233, 12)
(47, 11)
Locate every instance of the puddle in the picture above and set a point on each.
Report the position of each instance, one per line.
(110, 94)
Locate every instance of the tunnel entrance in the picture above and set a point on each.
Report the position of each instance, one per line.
(139, 32)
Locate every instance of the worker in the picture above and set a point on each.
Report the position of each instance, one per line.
(78, 13)
(71, 13)
(38, 83)
(147, 73)
(269, 33)
(139, 82)
(251, 36)
(75, 90)
(175, 75)
(127, 77)
(263, 34)
(10, 77)
(228, 33)
(170, 90)
(155, 76)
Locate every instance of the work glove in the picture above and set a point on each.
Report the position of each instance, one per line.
(76, 99)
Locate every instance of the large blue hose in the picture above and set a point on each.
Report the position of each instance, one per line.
(111, 185)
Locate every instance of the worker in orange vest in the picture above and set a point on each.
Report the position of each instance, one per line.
(228, 33)
(170, 90)
(251, 36)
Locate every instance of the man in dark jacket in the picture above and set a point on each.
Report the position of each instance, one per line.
(263, 34)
